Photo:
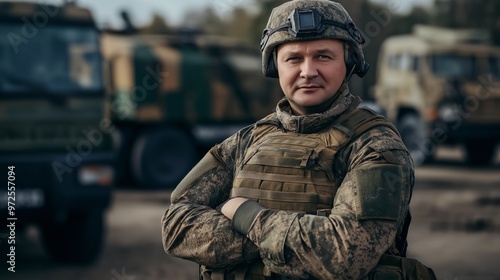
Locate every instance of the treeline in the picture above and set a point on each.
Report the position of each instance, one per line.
(376, 21)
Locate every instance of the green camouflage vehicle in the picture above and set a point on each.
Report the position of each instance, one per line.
(56, 153)
(174, 96)
(442, 86)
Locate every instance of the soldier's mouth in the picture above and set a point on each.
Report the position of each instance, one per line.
(312, 86)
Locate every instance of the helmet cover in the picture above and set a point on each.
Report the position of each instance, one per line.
(305, 20)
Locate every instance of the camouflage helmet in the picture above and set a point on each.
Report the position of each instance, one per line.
(304, 20)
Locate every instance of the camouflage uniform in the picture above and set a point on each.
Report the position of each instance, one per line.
(339, 246)
(366, 213)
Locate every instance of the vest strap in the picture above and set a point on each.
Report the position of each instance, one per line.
(245, 174)
(280, 161)
(282, 196)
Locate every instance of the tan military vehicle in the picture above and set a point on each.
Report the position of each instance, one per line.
(173, 96)
(441, 86)
(56, 152)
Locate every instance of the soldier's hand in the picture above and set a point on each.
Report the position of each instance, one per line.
(230, 207)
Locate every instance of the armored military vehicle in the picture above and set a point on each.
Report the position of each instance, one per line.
(441, 86)
(173, 96)
(56, 153)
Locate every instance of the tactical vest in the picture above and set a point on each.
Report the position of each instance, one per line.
(294, 171)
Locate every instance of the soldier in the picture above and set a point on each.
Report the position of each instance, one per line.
(318, 189)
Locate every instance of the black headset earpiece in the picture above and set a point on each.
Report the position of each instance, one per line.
(354, 67)
(272, 69)
(350, 64)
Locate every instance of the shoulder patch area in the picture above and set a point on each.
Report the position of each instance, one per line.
(379, 192)
(388, 144)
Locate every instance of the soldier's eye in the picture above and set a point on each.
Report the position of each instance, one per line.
(293, 59)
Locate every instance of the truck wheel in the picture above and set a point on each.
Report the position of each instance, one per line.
(162, 157)
(480, 152)
(412, 132)
(77, 240)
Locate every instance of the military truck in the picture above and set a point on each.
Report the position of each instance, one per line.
(441, 87)
(56, 145)
(173, 96)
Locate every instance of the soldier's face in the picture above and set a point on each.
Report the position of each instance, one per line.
(310, 73)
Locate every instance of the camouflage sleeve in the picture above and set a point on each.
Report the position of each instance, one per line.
(348, 243)
(192, 228)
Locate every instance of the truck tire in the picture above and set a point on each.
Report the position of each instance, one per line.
(76, 240)
(413, 133)
(480, 152)
(162, 157)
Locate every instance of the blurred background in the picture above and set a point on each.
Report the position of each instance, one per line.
(106, 105)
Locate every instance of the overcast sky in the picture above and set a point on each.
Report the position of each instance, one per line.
(142, 10)
(107, 11)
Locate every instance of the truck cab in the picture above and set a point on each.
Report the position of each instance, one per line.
(55, 138)
(441, 86)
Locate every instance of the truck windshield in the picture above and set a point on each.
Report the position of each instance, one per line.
(55, 59)
(453, 66)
